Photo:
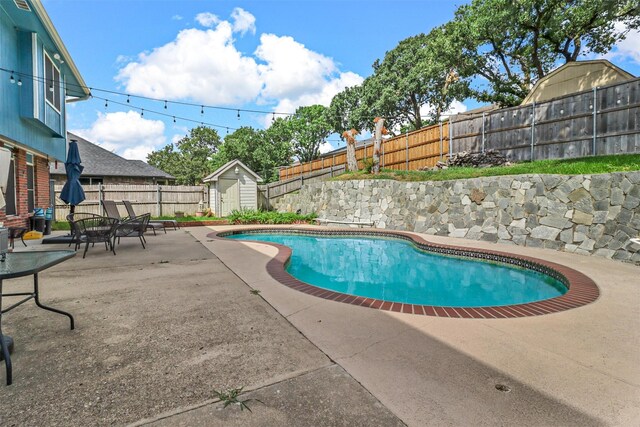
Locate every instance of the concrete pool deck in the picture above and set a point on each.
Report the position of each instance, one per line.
(158, 330)
(578, 367)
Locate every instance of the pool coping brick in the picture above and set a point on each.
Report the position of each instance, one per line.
(581, 289)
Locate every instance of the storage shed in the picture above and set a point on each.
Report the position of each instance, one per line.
(233, 186)
(575, 77)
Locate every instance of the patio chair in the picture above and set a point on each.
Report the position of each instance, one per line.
(95, 230)
(152, 224)
(74, 231)
(133, 227)
(111, 210)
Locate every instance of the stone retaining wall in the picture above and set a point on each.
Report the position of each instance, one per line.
(585, 214)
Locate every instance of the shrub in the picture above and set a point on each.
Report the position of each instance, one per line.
(250, 216)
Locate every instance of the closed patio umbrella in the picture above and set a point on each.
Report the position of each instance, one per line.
(72, 192)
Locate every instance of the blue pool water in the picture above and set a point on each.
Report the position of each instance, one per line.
(395, 270)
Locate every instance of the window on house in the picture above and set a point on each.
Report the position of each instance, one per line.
(52, 81)
(10, 194)
(31, 196)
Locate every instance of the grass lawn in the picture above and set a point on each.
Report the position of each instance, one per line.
(580, 166)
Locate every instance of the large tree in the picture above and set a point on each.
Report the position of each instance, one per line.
(263, 151)
(188, 160)
(511, 44)
(347, 115)
(412, 76)
(309, 127)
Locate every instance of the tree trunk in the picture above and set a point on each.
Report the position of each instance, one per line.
(376, 145)
(352, 163)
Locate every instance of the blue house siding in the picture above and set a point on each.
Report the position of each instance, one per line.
(25, 117)
(30, 126)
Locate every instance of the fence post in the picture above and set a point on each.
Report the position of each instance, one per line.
(533, 128)
(441, 148)
(333, 163)
(450, 123)
(100, 194)
(406, 151)
(595, 112)
(483, 136)
(268, 199)
(382, 143)
(159, 199)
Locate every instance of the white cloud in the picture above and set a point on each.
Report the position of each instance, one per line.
(243, 21)
(177, 18)
(204, 66)
(125, 133)
(201, 65)
(322, 96)
(291, 69)
(627, 49)
(325, 147)
(207, 19)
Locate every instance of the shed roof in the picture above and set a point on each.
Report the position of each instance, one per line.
(100, 162)
(576, 76)
(215, 175)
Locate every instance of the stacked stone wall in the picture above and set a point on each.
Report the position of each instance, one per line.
(585, 214)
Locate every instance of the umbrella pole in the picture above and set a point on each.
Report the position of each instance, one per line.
(72, 210)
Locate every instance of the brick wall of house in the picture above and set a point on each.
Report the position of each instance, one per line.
(42, 182)
(41, 171)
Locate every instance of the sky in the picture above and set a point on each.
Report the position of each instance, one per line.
(264, 55)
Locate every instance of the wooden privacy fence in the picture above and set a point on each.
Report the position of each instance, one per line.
(604, 120)
(156, 199)
(600, 121)
(412, 150)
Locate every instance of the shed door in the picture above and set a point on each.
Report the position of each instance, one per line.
(229, 195)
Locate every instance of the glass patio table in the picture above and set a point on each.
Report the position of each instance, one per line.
(19, 264)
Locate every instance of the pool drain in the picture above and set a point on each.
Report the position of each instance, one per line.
(503, 388)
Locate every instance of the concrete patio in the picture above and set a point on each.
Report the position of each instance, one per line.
(159, 330)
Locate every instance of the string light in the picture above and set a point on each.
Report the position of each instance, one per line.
(70, 85)
(273, 118)
(165, 104)
(12, 79)
(19, 82)
(201, 110)
(106, 103)
(175, 118)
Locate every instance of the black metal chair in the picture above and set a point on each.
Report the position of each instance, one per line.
(152, 224)
(76, 234)
(95, 230)
(111, 209)
(134, 227)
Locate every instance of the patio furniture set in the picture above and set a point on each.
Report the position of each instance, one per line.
(89, 229)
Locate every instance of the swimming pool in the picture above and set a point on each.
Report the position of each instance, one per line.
(397, 271)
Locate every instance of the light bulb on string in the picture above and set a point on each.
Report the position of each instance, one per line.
(273, 118)
(106, 104)
(201, 110)
(165, 104)
(142, 113)
(174, 119)
(238, 114)
(19, 82)
(128, 99)
(51, 88)
(12, 79)
(227, 131)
